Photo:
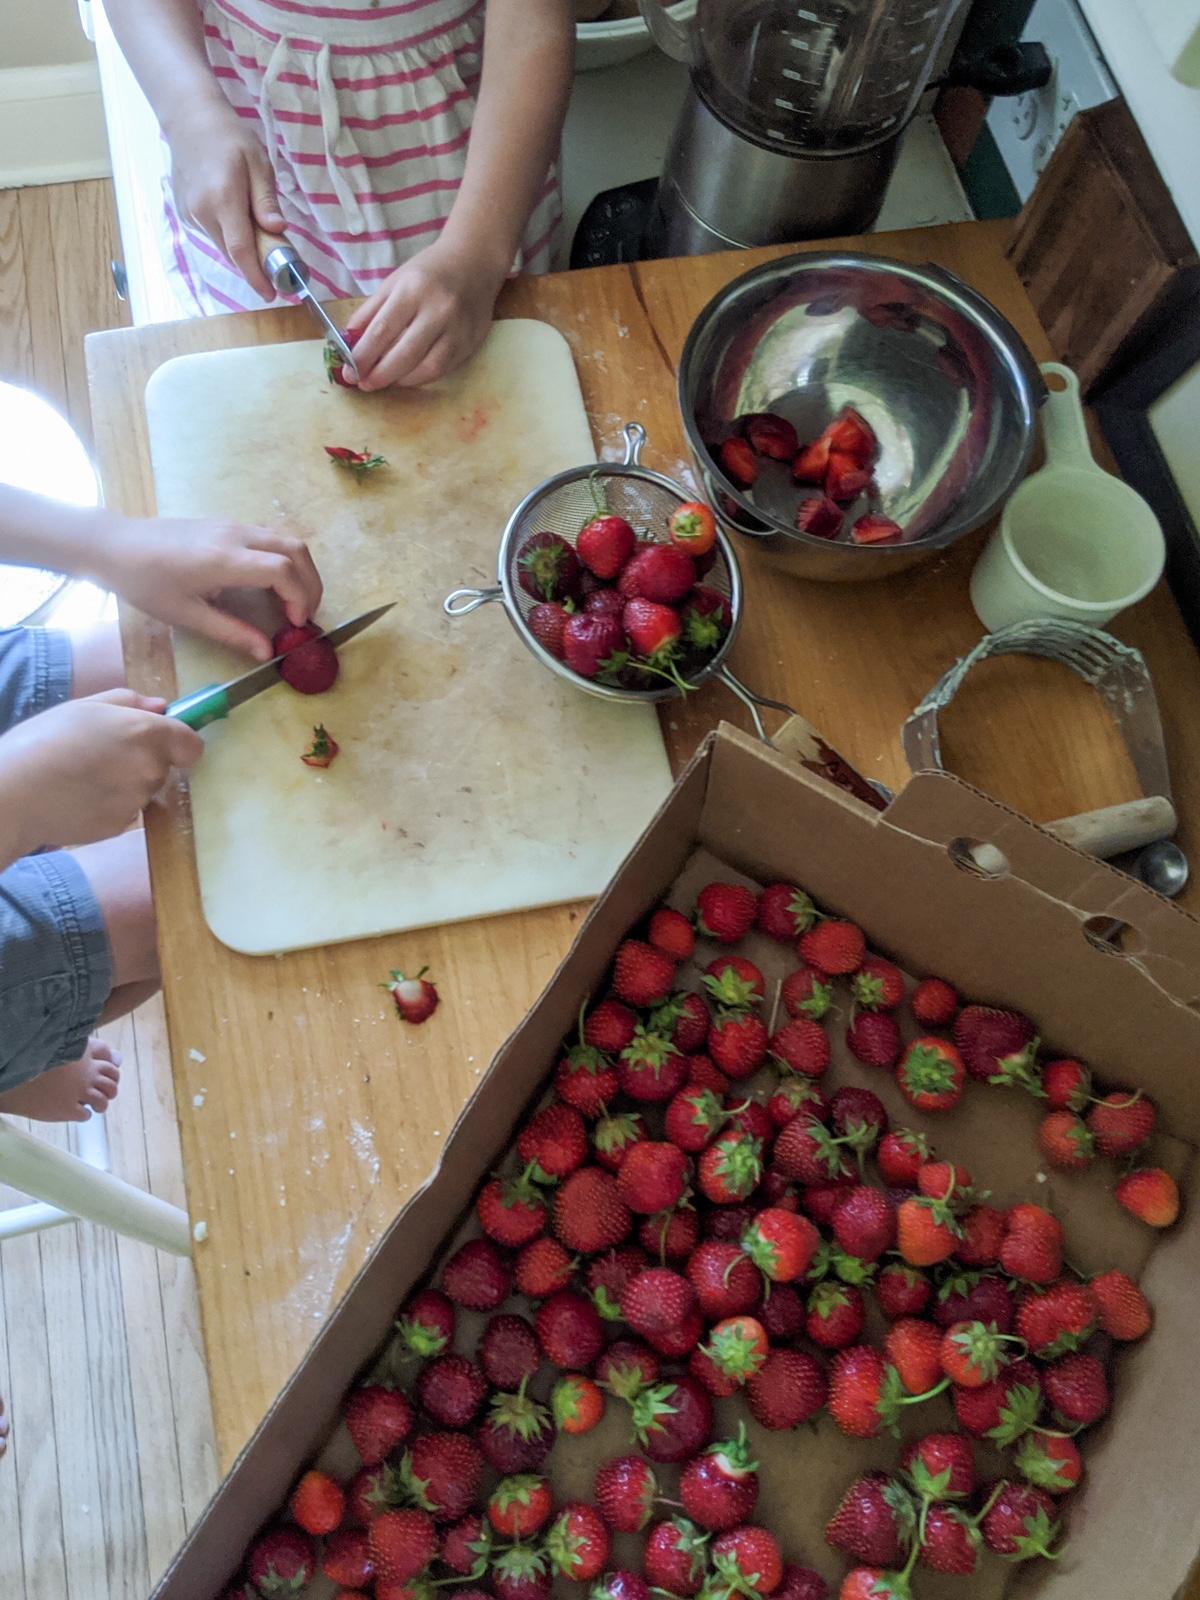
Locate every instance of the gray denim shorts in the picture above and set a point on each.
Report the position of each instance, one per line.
(55, 961)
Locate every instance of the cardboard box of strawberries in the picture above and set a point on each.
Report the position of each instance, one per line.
(815, 1235)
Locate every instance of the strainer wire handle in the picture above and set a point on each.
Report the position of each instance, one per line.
(749, 698)
(634, 436)
(461, 601)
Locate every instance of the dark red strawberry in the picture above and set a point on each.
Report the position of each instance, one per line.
(770, 435)
(547, 567)
(808, 1153)
(1077, 1388)
(719, 1487)
(642, 975)
(1067, 1085)
(802, 1046)
(703, 1074)
(673, 1419)
(820, 1200)
(983, 1230)
(346, 1559)
(737, 1043)
(820, 516)
(856, 1384)
(477, 1276)
(508, 1351)
(610, 1026)
(748, 1559)
(784, 912)
(603, 602)
(371, 1491)
(656, 1301)
(874, 1037)
(675, 1557)
(1020, 1522)
(900, 1157)
(607, 1275)
(546, 623)
(974, 1297)
(949, 1541)
(401, 1543)
(517, 1434)
(441, 1473)
(728, 1220)
(593, 644)
(694, 1116)
(589, 1214)
(542, 1268)
(1003, 1409)
(620, 1585)
(903, 1291)
(878, 985)
(836, 1314)
(605, 544)
(749, 1116)
(782, 1313)
(650, 1068)
(554, 1142)
(997, 1046)
(738, 462)
(876, 1521)
(864, 1222)
(521, 1572)
(858, 1116)
(725, 911)
(466, 1546)
(670, 1235)
(705, 612)
(731, 1167)
(940, 1466)
(934, 1003)
(725, 1281)
(800, 1583)
(796, 1096)
(807, 992)
(625, 1491)
(789, 1388)
(615, 1135)
(451, 1389)
(586, 1079)
(733, 982)
(570, 1330)
(311, 663)
(627, 1367)
(378, 1419)
(426, 1324)
(659, 572)
(282, 1561)
(684, 1020)
(511, 1211)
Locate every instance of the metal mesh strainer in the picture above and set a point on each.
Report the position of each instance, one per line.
(563, 505)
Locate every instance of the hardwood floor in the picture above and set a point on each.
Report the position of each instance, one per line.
(111, 1455)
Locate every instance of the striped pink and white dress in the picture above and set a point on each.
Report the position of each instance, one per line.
(365, 109)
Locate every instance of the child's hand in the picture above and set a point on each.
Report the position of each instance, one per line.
(429, 317)
(84, 769)
(177, 570)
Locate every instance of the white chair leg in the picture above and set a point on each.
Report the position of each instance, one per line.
(75, 1187)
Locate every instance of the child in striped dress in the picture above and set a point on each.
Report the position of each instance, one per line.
(408, 159)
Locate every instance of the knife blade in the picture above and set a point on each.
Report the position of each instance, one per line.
(289, 274)
(217, 700)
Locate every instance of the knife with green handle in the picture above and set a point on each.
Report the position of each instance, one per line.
(217, 700)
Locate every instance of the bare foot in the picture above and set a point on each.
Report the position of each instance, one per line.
(68, 1093)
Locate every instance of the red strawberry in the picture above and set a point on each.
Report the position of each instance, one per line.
(642, 975)
(1151, 1194)
(673, 1419)
(1050, 1460)
(719, 1487)
(625, 1491)
(605, 544)
(1057, 1319)
(592, 642)
(683, 1019)
(323, 750)
(282, 1561)
(653, 1176)
(902, 1291)
(541, 1268)
(975, 1297)
(661, 573)
(615, 1135)
(997, 1046)
(874, 1037)
(587, 1080)
(674, 1558)
(426, 1324)
(845, 479)
(789, 1388)
(924, 1233)
(589, 1214)
(736, 1347)
(656, 1301)
(554, 1142)
(940, 1466)
(607, 1275)
(748, 1558)
(725, 911)
(949, 1542)
(875, 1521)
(546, 623)
(693, 1117)
(317, 1503)
(1032, 1247)
(796, 1096)
(416, 998)
(378, 1419)
(878, 985)
(728, 1220)
(864, 1222)
(511, 1211)
(914, 1348)
(577, 1542)
(547, 567)
(725, 1282)
(873, 1583)
(972, 1354)
(858, 1116)
(650, 1068)
(401, 1544)
(1067, 1085)
(609, 1026)
(820, 516)
(856, 1380)
(806, 992)
(476, 1276)
(706, 614)
(520, 1505)
(627, 1367)
(654, 631)
(900, 1156)
(782, 1313)
(1065, 1142)
(770, 435)
(780, 1244)
(371, 1491)
(983, 1230)
(703, 1074)
(522, 1572)
(310, 664)
(801, 1583)
(812, 463)
(671, 932)
(346, 1559)
(693, 528)
(738, 462)
(873, 528)
(733, 982)
(933, 1003)
(516, 1436)
(1121, 1122)
(670, 1235)
(930, 1074)
(620, 1585)
(749, 1116)
(441, 1473)
(1077, 1388)
(802, 1046)
(737, 1044)
(852, 435)
(602, 602)
(784, 912)
(451, 1389)
(1020, 1522)
(836, 1314)
(833, 947)
(808, 1153)
(731, 1167)
(1005, 1408)
(570, 1330)
(466, 1546)
(335, 368)
(1124, 1310)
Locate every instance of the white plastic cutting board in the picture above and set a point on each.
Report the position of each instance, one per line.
(471, 780)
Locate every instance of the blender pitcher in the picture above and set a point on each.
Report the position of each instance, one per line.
(792, 121)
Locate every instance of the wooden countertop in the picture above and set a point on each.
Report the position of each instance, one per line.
(296, 1173)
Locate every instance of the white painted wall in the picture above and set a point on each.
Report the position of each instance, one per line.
(41, 33)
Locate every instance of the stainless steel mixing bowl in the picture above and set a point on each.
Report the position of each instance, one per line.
(943, 379)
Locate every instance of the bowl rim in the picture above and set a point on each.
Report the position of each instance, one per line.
(618, 28)
(994, 324)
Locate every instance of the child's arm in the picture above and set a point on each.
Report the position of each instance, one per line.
(220, 170)
(433, 312)
(173, 570)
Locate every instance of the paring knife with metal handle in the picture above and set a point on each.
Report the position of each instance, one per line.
(217, 700)
(289, 275)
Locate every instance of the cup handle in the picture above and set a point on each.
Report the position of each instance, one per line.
(1064, 428)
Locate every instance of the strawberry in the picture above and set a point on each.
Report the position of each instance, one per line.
(547, 567)
(724, 1280)
(733, 982)
(1067, 1085)
(801, 1583)
(451, 1389)
(1019, 1522)
(589, 1214)
(416, 998)
(749, 1116)
(945, 1180)
(577, 1403)
(282, 1561)
(654, 631)
(334, 371)
(874, 528)
(511, 1211)
(401, 1544)
(520, 1505)
(593, 644)
(914, 1347)
(933, 1003)
(1065, 1142)
(703, 1074)
(703, 1368)
(802, 1046)
(983, 1230)
(541, 1268)
(673, 1419)
(522, 1572)
(547, 622)
(845, 479)
(737, 1043)
(377, 1419)
(607, 1275)
(1049, 1460)
(940, 1466)
(780, 1244)
(858, 1116)
(812, 462)
(371, 1491)
(748, 1560)
(924, 1234)
(806, 1152)
(738, 462)
(586, 1079)
(650, 1068)
(770, 435)
(737, 1347)
(477, 1276)
(1120, 1122)
(972, 1354)
(900, 1157)
(1032, 1247)
(949, 1541)
(671, 932)
(625, 1490)
(1058, 1318)
(317, 1503)
(656, 1301)
(467, 1545)
(878, 985)
(1003, 1409)
(930, 1074)
(426, 1324)
(719, 1487)
(693, 1117)
(806, 992)
(660, 573)
(820, 516)
(875, 1521)
(789, 1388)
(997, 1046)
(620, 1585)
(577, 1542)
(725, 911)
(553, 1143)
(1151, 1194)
(692, 527)
(856, 1380)
(310, 664)
(346, 1559)
(706, 615)
(605, 544)
(653, 1176)
(684, 1020)
(441, 1473)
(642, 975)
(873, 1583)
(322, 751)
(1124, 1310)
(784, 912)
(670, 1235)
(570, 1330)
(731, 1167)
(615, 1135)
(836, 1314)
(728, 1220)
(674, 1558)
(864, 1222)
(874, 1037)
(975, 1297)
(1077, 1388)
(516, 1436)
(833, 947)
(902, 1291)
(359, 462)
(627, 1367)
(796, 1096)
(609, 1027)
(782, 1313)
(852, 435)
